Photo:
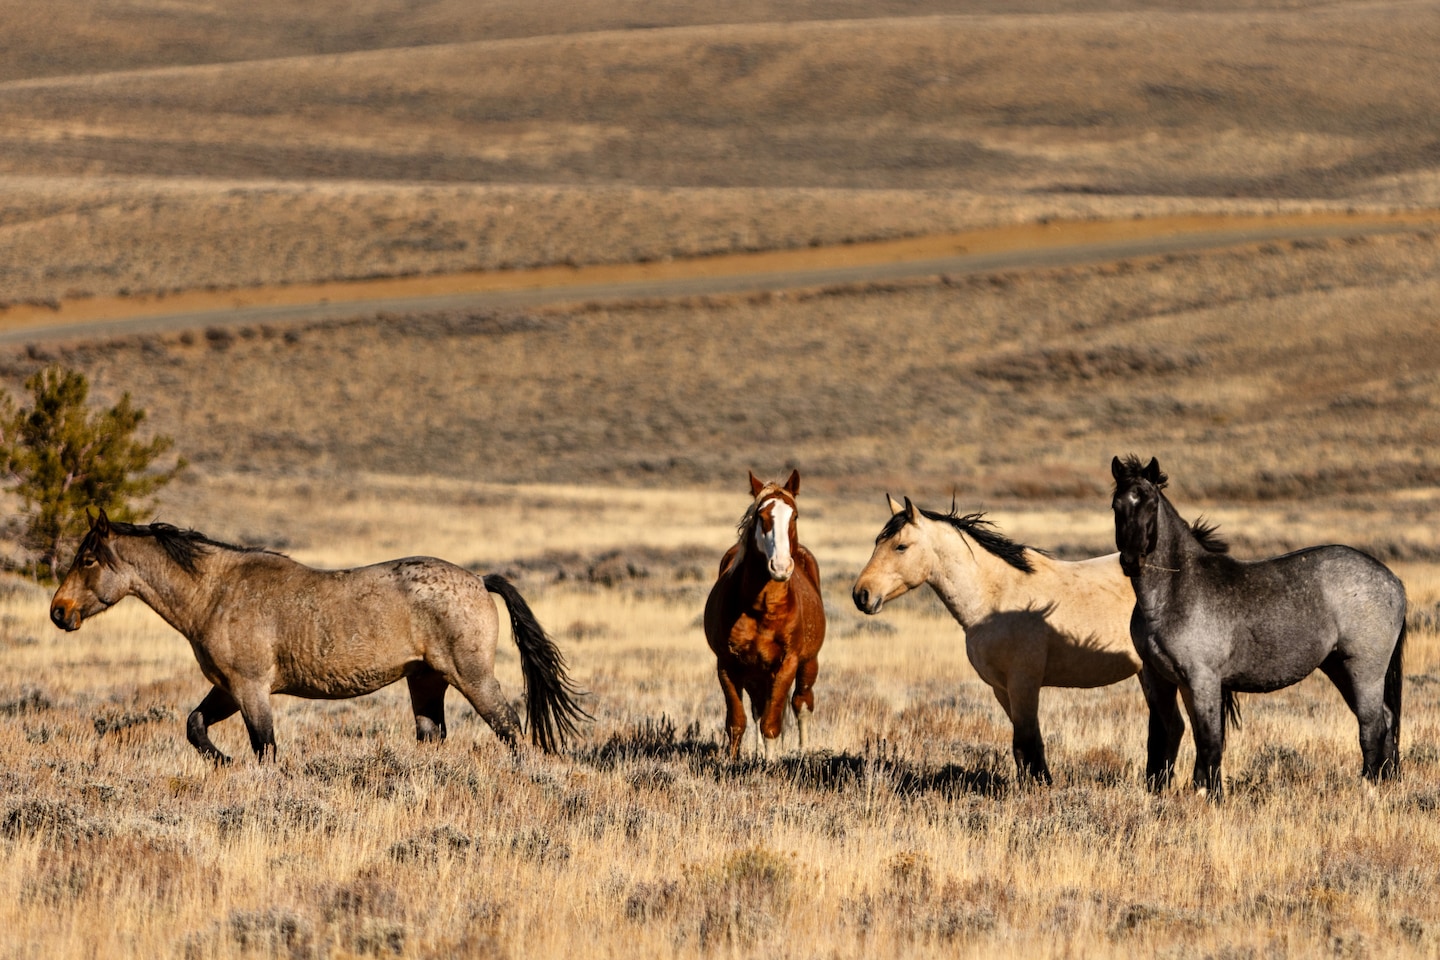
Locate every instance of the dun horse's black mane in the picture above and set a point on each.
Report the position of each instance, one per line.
(1202, 530)
(977, 528)
(185, 547)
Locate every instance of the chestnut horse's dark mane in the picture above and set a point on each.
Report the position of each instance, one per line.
(185, 547)
(977, 528)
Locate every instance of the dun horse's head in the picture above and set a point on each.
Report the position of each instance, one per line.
(773, 529)
(1137, 509)
(92, 584)
(901, 561)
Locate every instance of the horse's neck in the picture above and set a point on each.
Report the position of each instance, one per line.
(968, 579)
(1163, 567)
(179, 597)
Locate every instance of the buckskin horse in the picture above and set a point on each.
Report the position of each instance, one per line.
(260, 623)
(765, 619)
(1030, 620)
(1209, 626)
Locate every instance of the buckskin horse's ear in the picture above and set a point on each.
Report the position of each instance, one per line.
(911, 514)
(792, 486)
(756, 485)
(1152, 472)
(895, 505)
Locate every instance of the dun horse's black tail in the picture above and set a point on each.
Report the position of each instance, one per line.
(551, 709)
(1394, 690)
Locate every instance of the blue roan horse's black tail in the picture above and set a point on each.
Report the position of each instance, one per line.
(1229, 709)
(550, 698)
(1394, 689)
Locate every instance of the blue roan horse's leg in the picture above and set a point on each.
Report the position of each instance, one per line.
(1205, 702)
(1367, 703)
(216, 706)
(1167, 726)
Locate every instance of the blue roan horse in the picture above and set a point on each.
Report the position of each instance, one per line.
(1209, 626)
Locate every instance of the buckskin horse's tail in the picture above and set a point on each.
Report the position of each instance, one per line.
(551, 707)
(1394, 690)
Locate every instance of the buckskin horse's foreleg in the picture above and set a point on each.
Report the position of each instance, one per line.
(427, 700)
(1022, 703)
(216, 706)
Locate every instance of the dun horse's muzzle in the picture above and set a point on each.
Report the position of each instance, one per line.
(65, 616)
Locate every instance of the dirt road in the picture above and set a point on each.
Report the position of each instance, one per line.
(1026, 246)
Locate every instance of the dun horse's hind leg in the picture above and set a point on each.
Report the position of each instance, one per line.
(427, 699)
(489, 701)
(1167, 726)
(216, 706)
(803, 702)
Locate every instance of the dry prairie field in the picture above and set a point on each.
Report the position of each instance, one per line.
(596, 453)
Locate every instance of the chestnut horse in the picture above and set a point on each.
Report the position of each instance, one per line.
(765, 619)
(259, 623)
(1030, 620)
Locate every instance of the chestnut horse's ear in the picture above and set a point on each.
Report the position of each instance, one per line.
(911, 513)
(792, 486)
(1152, 472)
(895, 505)
(755, 485)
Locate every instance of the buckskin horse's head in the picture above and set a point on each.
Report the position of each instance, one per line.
(772, 525)
(902, 559)
(93, 583)
(1137, 509)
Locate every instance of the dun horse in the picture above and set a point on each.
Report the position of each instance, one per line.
(765, 620)
(1030, 621)
(1209, 626)
(260, 623)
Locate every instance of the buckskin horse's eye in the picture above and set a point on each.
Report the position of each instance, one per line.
(901, 547)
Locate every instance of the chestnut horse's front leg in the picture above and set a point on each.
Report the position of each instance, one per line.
(772, 719)
(734, 710)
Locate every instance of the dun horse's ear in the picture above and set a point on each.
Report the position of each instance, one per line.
(895, 505)
(792, 486)
(1152, 471)
(756, 485)
(911, 514)
(101, 524)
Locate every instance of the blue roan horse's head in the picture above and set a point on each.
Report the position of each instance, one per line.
(1137, 509)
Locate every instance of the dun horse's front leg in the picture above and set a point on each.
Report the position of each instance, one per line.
(255, 710)
(216, 706)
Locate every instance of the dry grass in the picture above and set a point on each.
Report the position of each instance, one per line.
(902, 835)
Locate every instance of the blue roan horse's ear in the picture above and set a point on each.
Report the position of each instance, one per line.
(1117, 469)
(1152, 472)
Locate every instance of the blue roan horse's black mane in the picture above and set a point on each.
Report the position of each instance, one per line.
(185, 547)
(977, 528)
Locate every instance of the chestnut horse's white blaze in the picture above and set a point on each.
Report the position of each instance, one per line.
(1030, 621)
(772, 536)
